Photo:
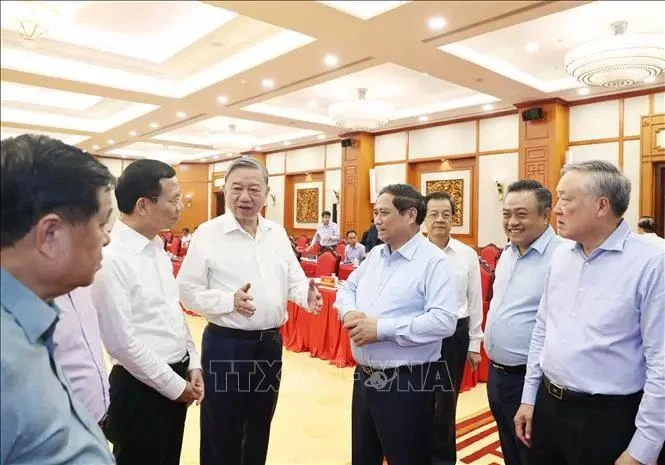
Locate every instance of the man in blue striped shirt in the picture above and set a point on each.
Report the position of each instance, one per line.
(596, 368)
(398, 306)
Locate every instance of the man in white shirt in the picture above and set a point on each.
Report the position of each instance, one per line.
(327, 234)
(354, 252)
(186, 238)
(77, 348)
(465, 343)
(156, 373)
(238, 273)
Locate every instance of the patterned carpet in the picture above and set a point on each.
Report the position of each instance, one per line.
(478, 440)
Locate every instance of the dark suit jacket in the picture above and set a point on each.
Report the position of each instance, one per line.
(370, 238)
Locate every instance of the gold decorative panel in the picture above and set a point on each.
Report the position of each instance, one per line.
(454, 188)
(307, 205)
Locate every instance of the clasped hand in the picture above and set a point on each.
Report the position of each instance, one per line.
(362, 329)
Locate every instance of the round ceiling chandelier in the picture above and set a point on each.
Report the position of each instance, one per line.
(33, 19)
(361, 114)
(231, 139)
(617, 61)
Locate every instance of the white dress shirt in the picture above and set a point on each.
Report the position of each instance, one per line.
(223, 257)
(77, 348)
(469, 290)
(141, 322)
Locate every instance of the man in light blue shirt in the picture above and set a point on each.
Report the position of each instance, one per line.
(56, 201)
(327, 234)
(354, 251)
(398, 306)
(596, 368)
(518, 286)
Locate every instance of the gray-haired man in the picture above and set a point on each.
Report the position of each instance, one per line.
(238, 273)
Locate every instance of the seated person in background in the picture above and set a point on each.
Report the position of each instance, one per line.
(327, 234)
(355, 251)
(371, 238)
(186, 238)
(646, 227)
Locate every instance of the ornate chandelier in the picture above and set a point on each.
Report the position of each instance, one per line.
(361, 114)
(231, 139)
(618, 61)
(33, 19)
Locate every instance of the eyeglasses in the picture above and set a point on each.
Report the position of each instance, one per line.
(175, 202)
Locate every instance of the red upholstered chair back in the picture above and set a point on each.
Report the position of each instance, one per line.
(327, 264)
(174, 246)
(183, 250)
(340, 249)
(314, 249)
(302, 241)
(490, 254)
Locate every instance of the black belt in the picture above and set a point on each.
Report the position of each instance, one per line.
(508, 369)
(463, 322)
(247, 335)
(562, 393)
(181, 366)
(369, 371)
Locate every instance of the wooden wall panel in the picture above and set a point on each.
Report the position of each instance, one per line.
(357, 160)
(193, 179)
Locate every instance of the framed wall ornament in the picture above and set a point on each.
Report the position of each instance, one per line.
(308, 204)
(458, 185)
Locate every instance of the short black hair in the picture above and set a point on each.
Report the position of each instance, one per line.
(325, 213)
(185, 229)
(647, 223)
(351, 231)
(141, 179)
(41, 175)
(441, 196)
(543, 195)
(405, 197)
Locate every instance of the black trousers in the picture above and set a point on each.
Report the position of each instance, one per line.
(582, 431)
(391, 415)
(242, 373)
(454, 350)
(504, 393)
(143, 425)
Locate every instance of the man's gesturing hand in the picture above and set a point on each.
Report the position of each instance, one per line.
(242, 301)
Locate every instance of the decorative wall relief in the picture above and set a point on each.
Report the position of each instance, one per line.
(308, 204)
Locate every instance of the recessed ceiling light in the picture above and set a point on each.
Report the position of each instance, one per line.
(425, 74)
(313, 103)
(423, 118)
(95, 147)
(258, 148)
(132, 133)
(110, 142)
(223, 99)
(321, 136)
(181, 114)
(532, 47)
(583, 91)
(154, 125)
(488, 107)
(268, 83)
(286, 142)
(330, 60)
(651, 79)
(243, 82)
(436, 23)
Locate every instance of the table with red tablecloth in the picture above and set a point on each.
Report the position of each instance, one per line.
(345, 269)
(308, 266)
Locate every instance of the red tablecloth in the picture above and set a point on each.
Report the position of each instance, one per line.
(176, 266)
(321, 335)
(309, 267)
(345, 270)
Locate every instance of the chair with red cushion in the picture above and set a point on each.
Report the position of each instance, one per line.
(490, 254)
(174, 246)
(302, 241)
(313, 249)
(327, 263)
(340, 249)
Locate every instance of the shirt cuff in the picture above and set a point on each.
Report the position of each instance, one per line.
(642, 449)
(386, 329)
(194, 363)
(175, 387)
(474, 345)
(529, 394)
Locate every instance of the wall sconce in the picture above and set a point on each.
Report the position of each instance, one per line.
(274, 200)
(188, 199)
(499, 189)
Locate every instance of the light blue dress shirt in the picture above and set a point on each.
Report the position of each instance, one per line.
(330, 232)
(354, 253)
(601, 330)
(518, 286)
(41, 422)
(413, 294)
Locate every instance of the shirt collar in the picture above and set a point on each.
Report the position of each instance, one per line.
(615, 241)
(33, 314)
(132, 238)
(453, 244)
(408, 250)
(539, 244)
(230, 224)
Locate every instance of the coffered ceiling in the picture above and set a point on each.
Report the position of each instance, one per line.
(139, 79)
